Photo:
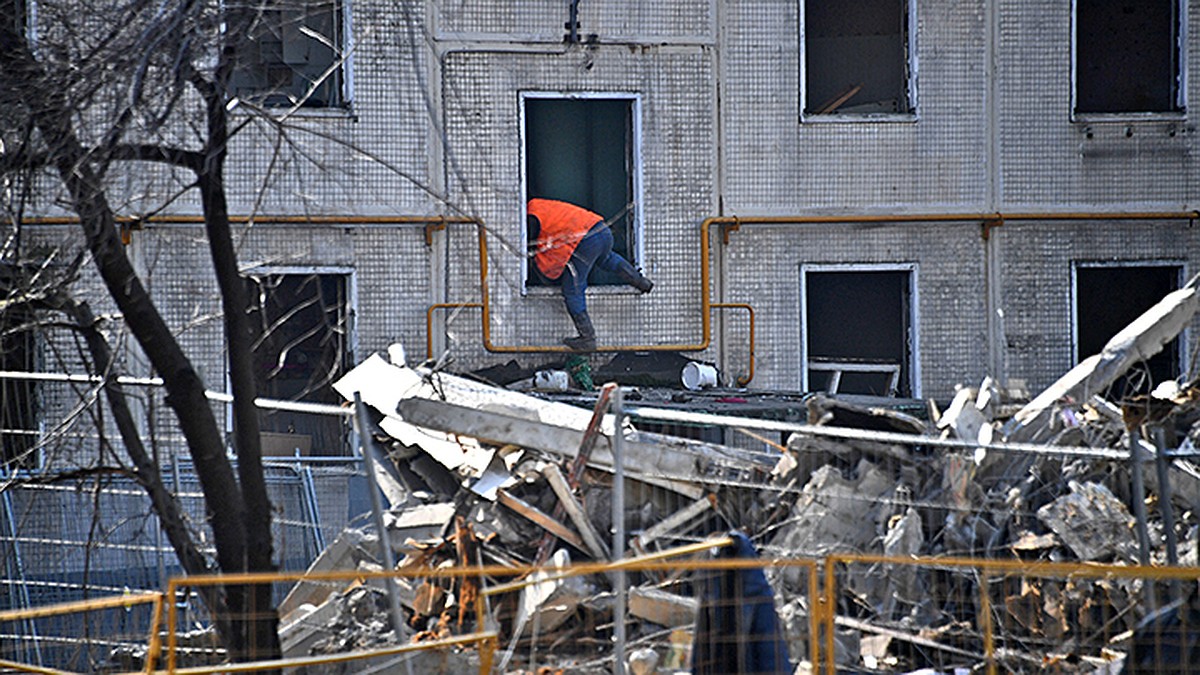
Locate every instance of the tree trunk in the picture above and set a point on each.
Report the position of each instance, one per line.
(148, 473)
(264, 633)
(51, 114)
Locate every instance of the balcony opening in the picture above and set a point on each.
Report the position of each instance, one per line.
(859, 330)
(301, 329)
(1127, 56)
(583, 149)
(857, 58)
(1109, 297)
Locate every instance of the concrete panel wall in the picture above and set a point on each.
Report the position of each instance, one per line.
(434, 128)
(1037, 283)
(1049, 160)
(675, 89)
(775, 164)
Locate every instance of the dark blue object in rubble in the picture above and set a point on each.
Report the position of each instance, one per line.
(737, 629)
(1166, 641)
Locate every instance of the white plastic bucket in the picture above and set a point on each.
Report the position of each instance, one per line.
(699, 375)
(551, 380)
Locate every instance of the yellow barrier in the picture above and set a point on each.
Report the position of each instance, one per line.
(110, 602)
(826, 583)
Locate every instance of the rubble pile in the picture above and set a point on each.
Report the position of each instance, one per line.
(483, 476)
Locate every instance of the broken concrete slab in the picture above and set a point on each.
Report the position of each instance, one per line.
(421, 523)
(834, 514)
(306, 626)
(342, 554)
(1092, 522)
(551, 598)
(1138, 341)
(662, 607)
(653, 458)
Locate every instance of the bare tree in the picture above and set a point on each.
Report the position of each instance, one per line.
(107, 91)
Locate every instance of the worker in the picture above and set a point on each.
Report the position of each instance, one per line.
(567, 241)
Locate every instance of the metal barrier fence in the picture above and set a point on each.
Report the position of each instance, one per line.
(937, 615)
(73, 540)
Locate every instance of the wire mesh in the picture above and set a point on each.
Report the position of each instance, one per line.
(78, 539)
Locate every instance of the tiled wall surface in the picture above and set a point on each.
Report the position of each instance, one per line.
(434, 128)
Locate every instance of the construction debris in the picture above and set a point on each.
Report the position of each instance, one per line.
(503, 478)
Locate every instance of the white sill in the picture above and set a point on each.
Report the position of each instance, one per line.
(307, 113)
(1128, 117)
(556, 291)
(858, 118)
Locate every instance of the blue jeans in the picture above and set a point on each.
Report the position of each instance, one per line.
(594, 250)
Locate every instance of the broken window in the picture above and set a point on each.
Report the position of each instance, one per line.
(858, 330)
(301, 328)
(293, 54)
(1127, 56)
(857, 57)
(19, 428)
(583, 150)
(1108, 298)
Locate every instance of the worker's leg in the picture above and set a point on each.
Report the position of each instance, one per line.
(574, 287)
(625, 271)
(596, 245)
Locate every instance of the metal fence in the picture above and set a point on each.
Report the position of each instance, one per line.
(711, 614)
(73, 540)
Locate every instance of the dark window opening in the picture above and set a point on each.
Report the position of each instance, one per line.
(858, 326)
(856, 57)
(1109, 298)
(581, 151)
(19, 429)
(20, 18)
(292, 54)
(300, 324)
(1127, 56)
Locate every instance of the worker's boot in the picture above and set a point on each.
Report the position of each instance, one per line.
(630, 275)
(586, 340)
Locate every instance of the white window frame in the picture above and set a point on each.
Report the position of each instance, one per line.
(351, 275)
(914, 326)
(638, 234)
(347, 65)
(1182, 277)
(1181, 91)
(910, 8)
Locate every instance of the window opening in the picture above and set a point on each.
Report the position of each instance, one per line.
(1107, 299)
(292, 54)
(859, 331)
(1127, 56)
(300, 326)
(19, 410)
(582, 150)
(857, 57)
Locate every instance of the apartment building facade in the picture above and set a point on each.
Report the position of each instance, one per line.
(908, 194)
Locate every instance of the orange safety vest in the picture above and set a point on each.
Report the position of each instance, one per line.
(563, 226)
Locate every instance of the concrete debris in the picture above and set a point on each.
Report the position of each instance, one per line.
(483, 476)
(1138, 341)
(836, 514)
(661, 607)
(1092, 522)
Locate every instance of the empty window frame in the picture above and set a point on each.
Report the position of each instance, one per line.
(1107, 298)
(301, 323)
(294, 54)
(860, 329)
(858, 57)
(1128, 56)
(585, 149)
(20, 18)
